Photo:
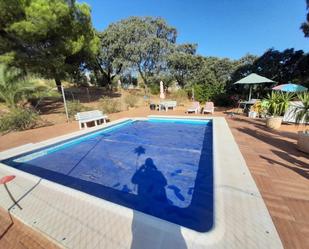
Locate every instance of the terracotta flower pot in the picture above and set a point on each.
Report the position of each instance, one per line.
(274, 122)
(303, 141)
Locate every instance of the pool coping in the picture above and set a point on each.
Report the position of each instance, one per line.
(241, 217)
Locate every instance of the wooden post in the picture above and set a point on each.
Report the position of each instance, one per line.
(65, 104)
(88, 94)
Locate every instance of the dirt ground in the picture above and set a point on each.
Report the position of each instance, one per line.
(60, 126)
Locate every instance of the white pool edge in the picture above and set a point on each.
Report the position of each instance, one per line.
(251, 230)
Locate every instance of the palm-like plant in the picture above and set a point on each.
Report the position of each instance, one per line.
(278, 102)
(15, 87)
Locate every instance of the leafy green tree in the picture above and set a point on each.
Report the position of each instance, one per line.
(301, 71)
(305, 25)
(207, 88)
(243, 67)
(182, 63)
(282, 67)
(148, 42)
(279, 66)
(110, 61)
(210, 77)
(51, 38)
(222, 68)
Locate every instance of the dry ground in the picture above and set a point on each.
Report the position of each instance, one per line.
(280, 171)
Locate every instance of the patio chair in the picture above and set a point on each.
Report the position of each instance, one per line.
(209, 108)
(195, 108)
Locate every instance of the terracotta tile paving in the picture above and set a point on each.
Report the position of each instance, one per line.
(280, 171)
(16, 235)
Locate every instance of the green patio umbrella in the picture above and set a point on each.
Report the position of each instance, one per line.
(253, 79)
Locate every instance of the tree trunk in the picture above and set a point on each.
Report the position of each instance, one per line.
(143, 76)
(58, 84)
(144, 80)
(106, 75)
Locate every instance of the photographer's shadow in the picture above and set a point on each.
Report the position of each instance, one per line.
(152, 199)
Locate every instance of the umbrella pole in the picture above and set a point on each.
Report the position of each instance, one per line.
(250, 91)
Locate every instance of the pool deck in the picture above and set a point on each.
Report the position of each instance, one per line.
(279, 170)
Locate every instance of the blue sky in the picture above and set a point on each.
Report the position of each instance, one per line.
(223, 28)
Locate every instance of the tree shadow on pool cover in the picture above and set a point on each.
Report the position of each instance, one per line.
(152, 199)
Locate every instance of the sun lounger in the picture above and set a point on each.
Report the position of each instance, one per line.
(209, 108)
(85, 117)
(195, 108)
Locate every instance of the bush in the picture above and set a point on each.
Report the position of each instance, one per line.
(225, 100)
(207, 92)
(154, 89)
(109, 105)
(202, 93)
(74, 107)
(180, 96)
(131, 100)
(19, 119)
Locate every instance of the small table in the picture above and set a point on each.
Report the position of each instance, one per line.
(165, 105)
(247, 103)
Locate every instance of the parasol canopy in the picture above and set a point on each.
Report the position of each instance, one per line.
(292, 88)
(253, 79)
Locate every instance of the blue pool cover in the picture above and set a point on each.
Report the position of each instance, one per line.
(160, 167)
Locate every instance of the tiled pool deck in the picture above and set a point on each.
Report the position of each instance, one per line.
(280, 172)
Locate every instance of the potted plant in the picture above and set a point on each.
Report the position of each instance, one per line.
(263, 108)
(278, 103)
(255, 110)
(301, 112)
(259, 109)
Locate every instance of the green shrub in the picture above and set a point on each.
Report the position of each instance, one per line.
(225, 100)
(74, 107)
(180, 96)
(202, 93)
(154, 89)
(131, 100)
(109, 105)
(207, 92)
(19, 119)
(16, 88)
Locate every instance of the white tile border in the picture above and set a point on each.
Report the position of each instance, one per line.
(241, 217)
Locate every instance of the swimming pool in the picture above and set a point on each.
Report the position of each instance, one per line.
(161, 167)
(78, 213)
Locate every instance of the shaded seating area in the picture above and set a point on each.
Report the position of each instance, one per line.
(251, 80)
